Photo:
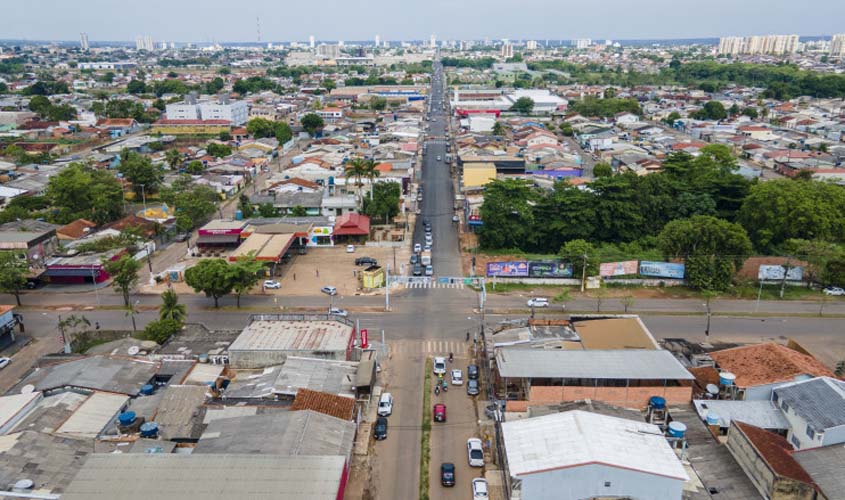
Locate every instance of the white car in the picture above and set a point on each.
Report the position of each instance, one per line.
(4, 362)
(385, 404)
(834, 290)
(329, 290)
(457, 377)
(350, 248)
(439, 366)
(479, 489)
(272, 284)
(538, 302)
(429, 270)
(417, 248)
(475, 452)
(336, 311)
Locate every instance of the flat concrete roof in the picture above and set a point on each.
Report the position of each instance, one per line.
(293, 335)
(614, 333)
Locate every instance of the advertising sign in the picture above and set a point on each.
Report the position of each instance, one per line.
(364, 338)
(507, 268)
(775, 273)
(623, 268)
(549, 270)
(662, 269)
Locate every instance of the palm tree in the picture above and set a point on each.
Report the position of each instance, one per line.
(171, 308)
(173, 158)
(356, 168)
(371, 173)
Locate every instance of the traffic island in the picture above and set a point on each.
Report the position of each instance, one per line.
(425, 439)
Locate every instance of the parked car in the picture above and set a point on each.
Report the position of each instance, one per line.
(439, 412)
(417, 248)
(427, 247)
(4, 361)
(336, 311)
(350, 248)
(457, 377)
(447, 474)
(834, 290)
(329, 290)
(472, 372)
(272, 284)
(472, 387)
(475, 452)
(479, 489)
(429, 270)
(538, 302)
(418, 270)
(380, 428)
(385, 404)
(366, 261)
(439, 365)
(415, 259)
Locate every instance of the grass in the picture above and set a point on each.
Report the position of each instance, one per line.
(425, 435)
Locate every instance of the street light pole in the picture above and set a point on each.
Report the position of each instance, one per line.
(707, 312)
(144, 198)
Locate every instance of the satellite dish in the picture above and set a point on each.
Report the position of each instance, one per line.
(28, 389)
(134, 350)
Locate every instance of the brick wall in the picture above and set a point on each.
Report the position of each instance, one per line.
(630, 397)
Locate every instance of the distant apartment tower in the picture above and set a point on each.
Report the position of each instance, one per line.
(531, 45)
(507, 50)
(378, 41)
(83, 41)
(311, 41)
(144, 43)
(223, 109)
(754, 45)
(466, 45)
(328, 51)
(837, 45)
(583, 43)
(433, 41)
(730, 45)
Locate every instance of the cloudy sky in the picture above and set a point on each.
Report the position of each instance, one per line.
(282, 20)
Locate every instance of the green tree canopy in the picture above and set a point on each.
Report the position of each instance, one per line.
(523, 105)
(13, 277)
(140, 171)
(161, 330)
(507, 214)
(124, 274)
(245, 273)
(384, 202)
(211, 277)
(80, 191)
(311, 123)
(171, 308)
(602, 169)
(712, 110)
(218, 150)
(581, 254)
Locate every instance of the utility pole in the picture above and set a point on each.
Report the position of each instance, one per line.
(387, 289)
(786, 268)
(144, 198)
(583, 273)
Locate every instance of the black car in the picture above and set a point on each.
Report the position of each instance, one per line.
(472, 372)
(447, 474)
(365, 261)
(380, 429)
(418, 270)
(415, 259)
(472, 387)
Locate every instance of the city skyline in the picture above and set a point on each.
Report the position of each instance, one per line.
(473, 19)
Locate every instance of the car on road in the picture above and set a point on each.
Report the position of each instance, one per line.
(415, 259)
(455, 218)
(479, 489)
(272, 284)
(475, 452)
(538, 302)
(472, 372)
(336, 311)
(418, 270)
(350, 248)
(4, 361)
(439, 367)
(427, 247)
(429, 238)
(385, 404)
(472, 387)
(457, 377)
(417, 248)
(834, 290)
(429, 270)
(439, 412)
(366, 261)
(438, 158)
(329, 290)
(447, 474)
(380, 428)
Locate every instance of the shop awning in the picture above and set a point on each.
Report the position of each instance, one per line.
(218, 239)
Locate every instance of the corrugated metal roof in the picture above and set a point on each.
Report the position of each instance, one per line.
(305, 336)
(824, 465)
(94, 415)
(820, 401)
(763, 414)
(607, 365)
(574, 438)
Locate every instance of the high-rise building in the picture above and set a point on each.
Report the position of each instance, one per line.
(837, 45)
(83, 41)
(433, 42)
(582, 43)
(328, 51)
(531, 45)
(378, 41)
(311, 41)
(759, 44)
(507, 50)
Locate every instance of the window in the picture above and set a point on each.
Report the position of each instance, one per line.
(810, 432)
(775, 397)
(784, 406)
(795, 442)
(607, 484)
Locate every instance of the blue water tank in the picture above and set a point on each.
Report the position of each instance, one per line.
(657, 402)
(677, 429)
(239, 215)
(149, 430)
(713, 418)
(126, 418)
(727, 378)
(147, 389)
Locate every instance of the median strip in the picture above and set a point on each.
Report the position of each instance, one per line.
(425, 435)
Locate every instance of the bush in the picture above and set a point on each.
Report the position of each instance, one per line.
(161, 330)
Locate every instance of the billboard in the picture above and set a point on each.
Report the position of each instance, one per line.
(623, 268)
(662, 269)
(775, 273)
(519, 268)
(554, 269)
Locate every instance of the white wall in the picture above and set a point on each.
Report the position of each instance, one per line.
(587, 481)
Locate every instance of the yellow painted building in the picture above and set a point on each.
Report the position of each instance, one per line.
(372, 277)
(479, 174)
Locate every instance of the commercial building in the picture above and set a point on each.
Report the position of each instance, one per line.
(118, 65)
(34, 243)
(327, 51)
(577, 454)
(83, 41)
(221, 233)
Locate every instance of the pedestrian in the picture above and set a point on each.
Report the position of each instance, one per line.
(467, 336)
(96, 325)
(318, 272)
(294, 276)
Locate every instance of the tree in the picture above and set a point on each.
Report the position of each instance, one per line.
(171, 308)
(245, 206)
(124, 274)
(672, 118)
(13, 277)
(378, 103)
(298, 211)
(566, 129)
(173, 158)
(384, 202)
(161, 330)
(266, 210)
(215, 85)
(356, 168)
(713, 249)
(260, 127)
(136, 87)
(244, 274)
(523, 105)
(311, 123)
(712, 110)
(582, 255)
(817, 254)
(218, 150)
(195, 167)
(627, 302)
(80, 191)
(498, 129)
(602, 169)
(750, 112)
(211, 277)
(140, 171)
(328, 84)
(507, 214)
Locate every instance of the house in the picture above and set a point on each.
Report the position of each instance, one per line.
(757, 132)
(75, 230)
(351, 227)
(286, 381)
(759, 368)
(330, 114)
(31, 241)
(577, 454)
(815, 410)
(119, 127)
(824, 466)
(625, 118)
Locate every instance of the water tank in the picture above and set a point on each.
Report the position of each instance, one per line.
(296, 160)
(713, 418)
(727, 378)
(23, 485)
(677, 429)
(149, 430)
(126, 418)
(657, 402)
(712, 389)
(239, 215)
(147, 389)
(203, 358)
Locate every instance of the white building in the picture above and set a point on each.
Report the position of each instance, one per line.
(328, 51)
(311, 41)
(144, 43)
(577, 454)
(837, 45)
(507, 50)
(753, 45)
(531, 45)
(433, 42)
(378, 41)
(582, 43)
(83, 41)
(235, 112)
(815, 410)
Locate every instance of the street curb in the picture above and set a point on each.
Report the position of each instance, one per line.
(425, 434)
(725, 314)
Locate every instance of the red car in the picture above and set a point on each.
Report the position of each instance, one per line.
(439, 412)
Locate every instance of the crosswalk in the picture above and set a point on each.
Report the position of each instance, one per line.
(430, 347)
(437, 141)
(434, 284)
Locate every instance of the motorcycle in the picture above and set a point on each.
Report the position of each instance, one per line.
(436, 390)
(445, 386)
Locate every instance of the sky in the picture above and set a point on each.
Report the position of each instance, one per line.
(398, 20)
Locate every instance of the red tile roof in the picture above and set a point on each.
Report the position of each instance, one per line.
(776, 451)
(330, 404)
(76, 229)
(768, 363)
(351, 224)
